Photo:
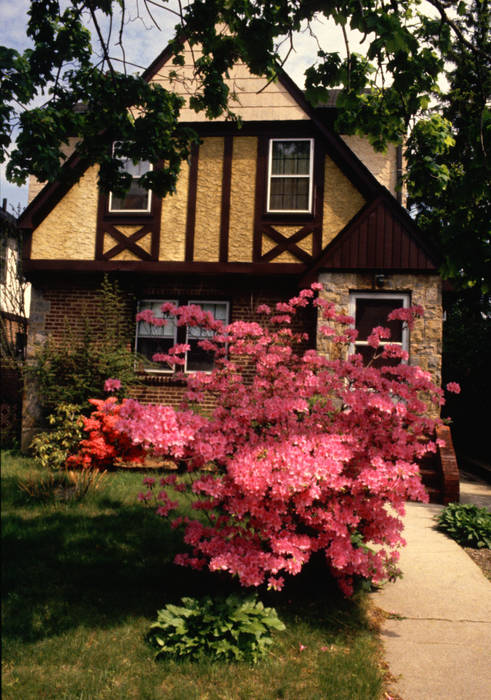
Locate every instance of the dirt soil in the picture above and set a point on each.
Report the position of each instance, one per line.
(482, 557)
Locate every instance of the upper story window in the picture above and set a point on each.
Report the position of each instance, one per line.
(370, 310)
(290, 168)
(137, 198)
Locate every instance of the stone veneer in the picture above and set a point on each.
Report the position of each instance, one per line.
(425, 339)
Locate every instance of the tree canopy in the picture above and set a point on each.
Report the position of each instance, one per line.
(391, 91)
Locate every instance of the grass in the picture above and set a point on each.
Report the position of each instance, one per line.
(82, 581)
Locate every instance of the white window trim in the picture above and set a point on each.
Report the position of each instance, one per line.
(310, 177)
(199, 303)
(397, 296)
(132, 211)
(141, 307)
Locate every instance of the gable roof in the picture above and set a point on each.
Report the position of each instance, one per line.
(382, 225)
(381, 236)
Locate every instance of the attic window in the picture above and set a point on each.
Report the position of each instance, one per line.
(137, 198)
(290, 168)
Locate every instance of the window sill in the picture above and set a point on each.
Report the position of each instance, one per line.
(162, 378)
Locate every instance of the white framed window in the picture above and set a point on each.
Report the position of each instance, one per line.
(290, 174)
(370, 309)
(152, 339)
(197, 359)
(137, 198)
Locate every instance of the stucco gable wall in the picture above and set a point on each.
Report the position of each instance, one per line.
(253, 98)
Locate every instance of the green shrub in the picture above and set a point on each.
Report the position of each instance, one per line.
(51, 448)
(228, 629)
(469, 525)
(74, 370)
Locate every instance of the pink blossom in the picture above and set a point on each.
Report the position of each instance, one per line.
(302, 453)
(453, 387)
(112, 385)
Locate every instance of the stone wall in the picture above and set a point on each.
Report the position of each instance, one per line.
(425, 340)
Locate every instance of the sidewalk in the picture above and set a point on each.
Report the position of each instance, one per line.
(438, 644)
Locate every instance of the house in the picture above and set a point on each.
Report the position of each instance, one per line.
(14, 312)
(260, 211)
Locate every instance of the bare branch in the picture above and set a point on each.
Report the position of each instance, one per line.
(104, 47)
(442, 7)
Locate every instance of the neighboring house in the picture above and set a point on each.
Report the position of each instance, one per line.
(259, 212)
(14, 313)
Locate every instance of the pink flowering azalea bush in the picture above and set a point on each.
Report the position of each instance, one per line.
(306, 456)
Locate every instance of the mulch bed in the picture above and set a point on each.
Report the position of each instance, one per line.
(482, 557)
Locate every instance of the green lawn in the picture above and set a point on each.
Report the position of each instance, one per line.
(83, 581)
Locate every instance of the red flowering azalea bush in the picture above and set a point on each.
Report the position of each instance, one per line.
(105, 442)
(313, 454)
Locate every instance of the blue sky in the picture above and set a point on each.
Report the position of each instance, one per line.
(143, 42)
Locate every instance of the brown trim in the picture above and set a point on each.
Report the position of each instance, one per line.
(294, 128)
(127, 243)
(336, 148)
(261, 177)
(159, 267)
(155, 225)
(287, 244)
(99, 235)
(228, 149)
(191, 210)
(15, 318)
(319, 195)
(162, 58)
(52, 193)
(365, 220)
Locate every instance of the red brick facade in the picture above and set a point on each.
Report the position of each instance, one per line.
(64, 307)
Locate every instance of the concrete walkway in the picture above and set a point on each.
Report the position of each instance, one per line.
(438, 642)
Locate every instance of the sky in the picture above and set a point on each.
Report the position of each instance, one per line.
(144, 42)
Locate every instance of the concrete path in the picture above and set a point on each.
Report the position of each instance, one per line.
(438, 642)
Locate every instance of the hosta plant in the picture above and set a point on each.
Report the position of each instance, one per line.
(469, 525)
(231, 629)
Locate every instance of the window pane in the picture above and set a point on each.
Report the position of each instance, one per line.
(148, 330)
(199, 360)
(137, 198)
(289, 194)
(136, 169)
(291, 158)
(367, 353)
(374, 312)
(149, 346)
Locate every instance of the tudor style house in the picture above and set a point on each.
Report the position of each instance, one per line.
(260, 211)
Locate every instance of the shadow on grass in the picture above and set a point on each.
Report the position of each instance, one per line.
(63, 569)
(98, 564)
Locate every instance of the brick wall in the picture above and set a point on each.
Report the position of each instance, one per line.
(62, 308)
